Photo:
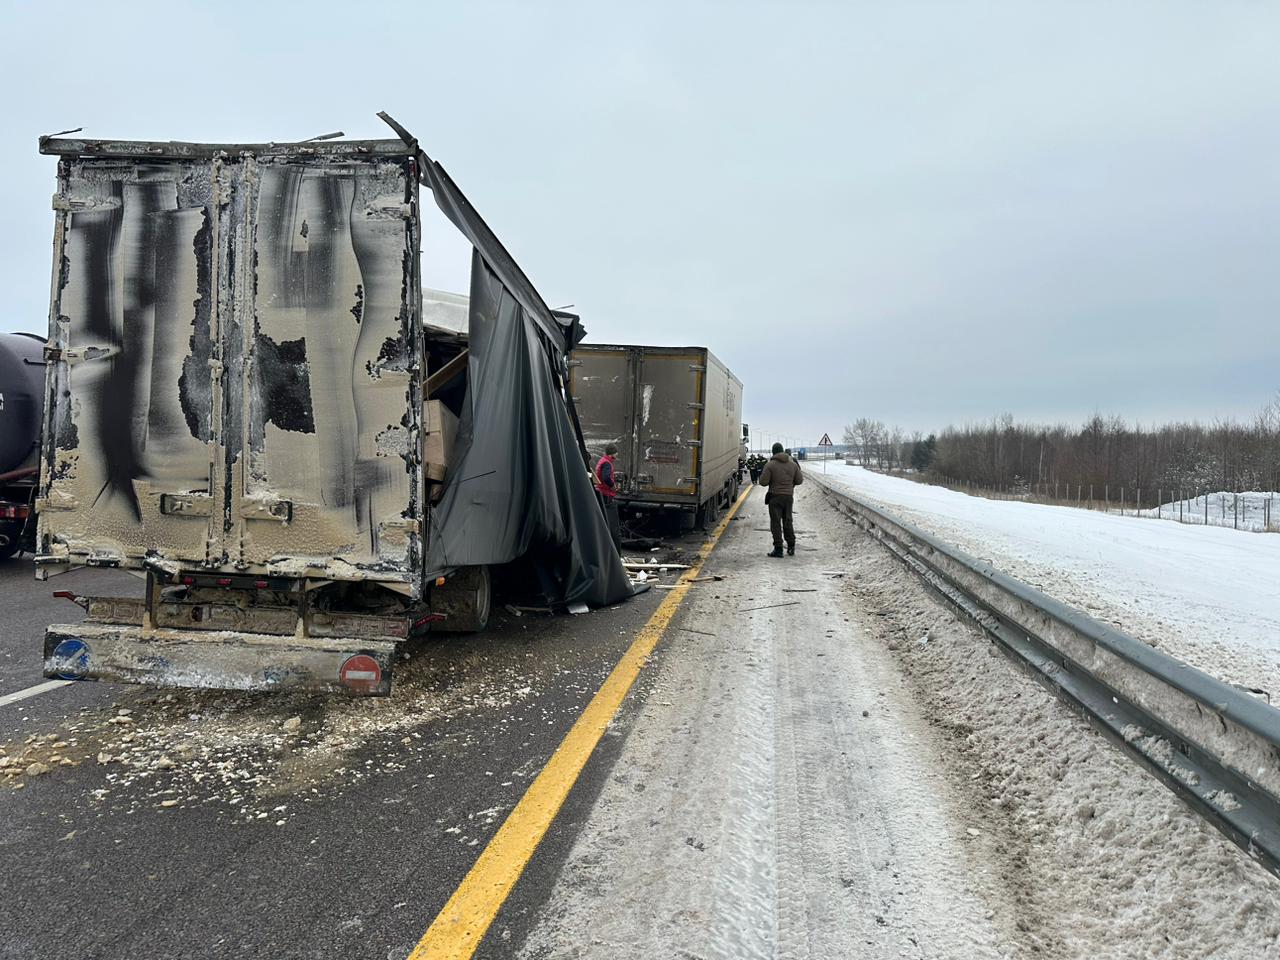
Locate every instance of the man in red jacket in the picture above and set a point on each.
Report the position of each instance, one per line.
(607, 487)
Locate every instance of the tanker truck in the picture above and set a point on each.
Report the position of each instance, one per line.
(21, 408)
(252, 410)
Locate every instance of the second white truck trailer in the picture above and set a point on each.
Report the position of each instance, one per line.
(675, 414)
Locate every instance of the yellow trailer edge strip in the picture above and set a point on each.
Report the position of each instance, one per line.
(460, 926)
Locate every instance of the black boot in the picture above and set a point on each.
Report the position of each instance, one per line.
(791, 551)
(775, 552)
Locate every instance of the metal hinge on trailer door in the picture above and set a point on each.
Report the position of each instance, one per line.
(407, 525)
(186, 505)
(255, 509)
(697, 368)
(78, 355)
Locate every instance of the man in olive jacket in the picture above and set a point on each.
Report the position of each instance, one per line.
(781, 475)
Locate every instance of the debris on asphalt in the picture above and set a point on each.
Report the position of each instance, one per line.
(242, 752)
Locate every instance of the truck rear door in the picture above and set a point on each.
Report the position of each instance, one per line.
(601, 383)
(233, 379)
(130, 444)
(668, 416)
(327, 440)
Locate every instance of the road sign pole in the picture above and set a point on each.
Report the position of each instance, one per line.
(825, 442)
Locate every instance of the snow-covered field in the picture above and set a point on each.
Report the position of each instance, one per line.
(1207, 595)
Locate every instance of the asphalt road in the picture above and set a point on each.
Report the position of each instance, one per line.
(819, 760)
(226, 832)
(27, 606)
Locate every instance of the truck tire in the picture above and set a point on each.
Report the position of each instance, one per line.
(710, 512)
(11, 534)
(465, 600)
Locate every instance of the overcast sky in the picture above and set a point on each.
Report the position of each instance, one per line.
(925, 213)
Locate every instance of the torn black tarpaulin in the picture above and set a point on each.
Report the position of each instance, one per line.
(518, 489)
(561, 329)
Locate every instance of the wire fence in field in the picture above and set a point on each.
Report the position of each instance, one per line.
(1240, 510)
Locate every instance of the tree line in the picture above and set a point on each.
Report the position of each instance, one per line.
(1103, 452)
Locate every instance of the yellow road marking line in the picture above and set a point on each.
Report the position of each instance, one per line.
(460, 926)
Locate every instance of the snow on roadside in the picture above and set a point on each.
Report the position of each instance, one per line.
(1206, 595)
(1253, 510)
(1101, 860)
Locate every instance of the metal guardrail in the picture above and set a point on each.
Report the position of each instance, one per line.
(1215, 746)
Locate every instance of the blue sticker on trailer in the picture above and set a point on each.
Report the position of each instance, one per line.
(71, 659)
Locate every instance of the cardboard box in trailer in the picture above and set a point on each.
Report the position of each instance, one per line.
(675, 414)
(249, 407)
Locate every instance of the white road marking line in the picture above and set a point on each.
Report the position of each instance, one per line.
(35, 691)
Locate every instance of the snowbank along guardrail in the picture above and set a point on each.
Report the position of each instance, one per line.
(1215, 746)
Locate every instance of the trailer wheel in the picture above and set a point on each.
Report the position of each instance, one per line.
(709, 512)
(465, 600)
(11, 535)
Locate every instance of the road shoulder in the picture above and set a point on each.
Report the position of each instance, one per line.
(778, 792)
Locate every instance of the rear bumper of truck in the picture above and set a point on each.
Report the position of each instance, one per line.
(224, 660)
(658, 501)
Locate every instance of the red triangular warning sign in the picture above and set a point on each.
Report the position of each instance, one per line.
(825, 441)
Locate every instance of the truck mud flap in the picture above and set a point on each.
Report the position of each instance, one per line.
(218, 660)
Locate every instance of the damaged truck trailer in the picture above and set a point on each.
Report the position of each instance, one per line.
(245, 407)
